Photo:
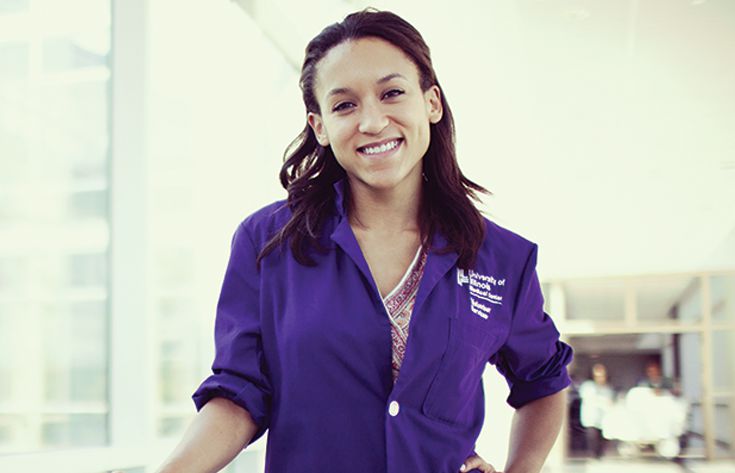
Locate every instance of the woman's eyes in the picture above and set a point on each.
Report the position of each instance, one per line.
(342, 106)
(393, 93)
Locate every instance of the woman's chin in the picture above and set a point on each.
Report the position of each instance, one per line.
(384, 182)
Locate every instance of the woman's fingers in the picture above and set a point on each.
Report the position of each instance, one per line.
(476, 462)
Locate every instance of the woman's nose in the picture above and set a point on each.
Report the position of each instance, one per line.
(372, 119)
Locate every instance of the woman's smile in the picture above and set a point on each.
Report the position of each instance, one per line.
(381, 149)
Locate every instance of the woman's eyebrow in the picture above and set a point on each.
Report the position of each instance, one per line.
(345, 90)
(390, 77)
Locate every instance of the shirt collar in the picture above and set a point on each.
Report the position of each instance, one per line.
(437, 263)
(339, 196)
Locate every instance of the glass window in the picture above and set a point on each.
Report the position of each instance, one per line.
(178, 354)
(689, 305)
(13, 61)
(723, 354)
(595, 300)
(12, 429)
(76, 372)
(85, 270)
(54, 107)
(68, 53)
(723, 298)
(13, 276)
(668, 298)
(75, 129)
(9, 312)
(13, 6)
(59, 430)
(88, 204)
(175, 269)
(724, 426)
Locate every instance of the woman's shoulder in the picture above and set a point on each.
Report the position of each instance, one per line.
(263, 223)
(502, 241)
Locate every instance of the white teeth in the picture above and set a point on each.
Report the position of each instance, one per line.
(380, 149)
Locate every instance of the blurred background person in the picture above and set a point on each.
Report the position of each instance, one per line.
(597, 400)
(655, 380)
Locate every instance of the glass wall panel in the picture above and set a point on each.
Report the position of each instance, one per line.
(723, 298)
(54, 137)
(87, 270)
(73, 368)
(13, 6)
(61, 430)
(14, 60)
(659, 299)
(179, 352)
(66, 53)
(12, 430)
(724, 426)
(689, 303)
(595, 300)
(9, 311)
(723, 360)
(211, 162)
(13, 276)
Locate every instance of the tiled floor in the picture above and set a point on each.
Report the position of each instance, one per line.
(617, 465)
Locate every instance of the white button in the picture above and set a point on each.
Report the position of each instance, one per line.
(393, 408)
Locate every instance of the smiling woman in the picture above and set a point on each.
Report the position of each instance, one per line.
(378, 127)
(357, 316)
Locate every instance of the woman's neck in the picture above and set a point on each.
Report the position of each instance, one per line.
(394, 210)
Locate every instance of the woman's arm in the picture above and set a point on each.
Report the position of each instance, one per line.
(214, 438)
(533, 432)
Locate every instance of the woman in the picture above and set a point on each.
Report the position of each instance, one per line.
(378, 239)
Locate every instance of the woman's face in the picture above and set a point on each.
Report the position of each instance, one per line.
(374, 114)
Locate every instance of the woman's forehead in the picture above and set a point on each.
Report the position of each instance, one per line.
(362, 62)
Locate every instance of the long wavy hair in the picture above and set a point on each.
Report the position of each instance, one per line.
(310, 170)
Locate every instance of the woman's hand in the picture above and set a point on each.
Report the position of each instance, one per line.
(476, 462)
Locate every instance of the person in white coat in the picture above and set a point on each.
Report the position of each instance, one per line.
(597, 399)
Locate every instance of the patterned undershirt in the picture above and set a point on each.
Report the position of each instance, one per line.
(399, 305)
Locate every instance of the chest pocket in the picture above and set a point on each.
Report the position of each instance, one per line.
(455, 394)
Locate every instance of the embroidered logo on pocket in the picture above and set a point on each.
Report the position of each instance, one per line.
(483, 291)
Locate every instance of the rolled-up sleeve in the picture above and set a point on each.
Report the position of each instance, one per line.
(238, 370)
(533, 360)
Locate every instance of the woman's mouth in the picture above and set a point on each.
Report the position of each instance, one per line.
(380, 150)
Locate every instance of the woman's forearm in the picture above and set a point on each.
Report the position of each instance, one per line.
(214, 438)
(533, 432)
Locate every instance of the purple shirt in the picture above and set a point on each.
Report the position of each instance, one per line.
(307, 350)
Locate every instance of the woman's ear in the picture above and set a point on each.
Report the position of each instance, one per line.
(317, 124)
(433, 96)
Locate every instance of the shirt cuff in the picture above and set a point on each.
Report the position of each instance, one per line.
(522, 393)
(249, 397)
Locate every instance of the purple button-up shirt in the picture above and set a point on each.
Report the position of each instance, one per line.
(307, 350)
